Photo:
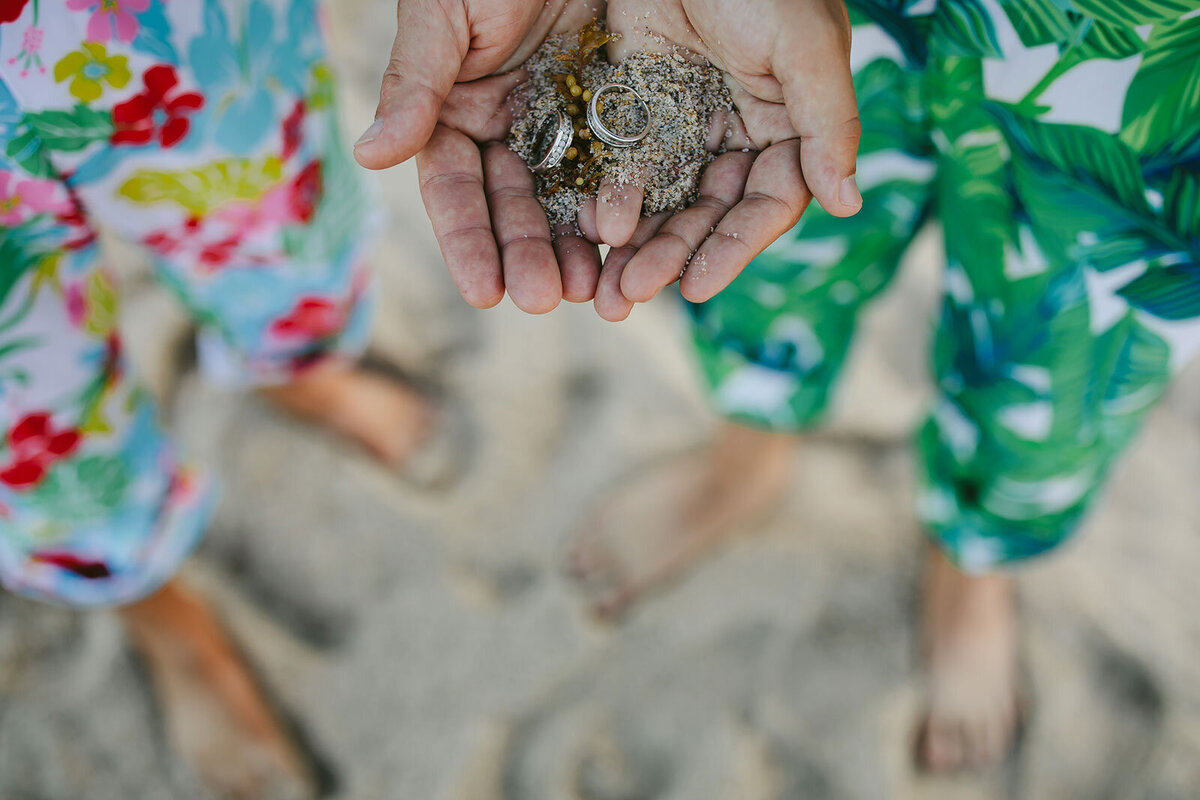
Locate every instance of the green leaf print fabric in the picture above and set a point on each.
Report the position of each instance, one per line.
(1058, 143)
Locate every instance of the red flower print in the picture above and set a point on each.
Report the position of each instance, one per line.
(306, 192)
(72, 563)
(10, 10)
(23, 474)
(293, 131)
(218, 254)
(210, 243)
(112, 360)
(310, 318)
(81, 232)
(158, 112)
(36, 446)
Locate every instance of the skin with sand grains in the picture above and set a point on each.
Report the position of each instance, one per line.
(444, 95)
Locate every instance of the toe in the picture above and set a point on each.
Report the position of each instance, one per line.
(979, 735)
(580, 563)
(576, 562)
(584, 558)
(413, 424)
(289, 788)
(610, 605)
(1002, 733)
(235, 778)
(601, 579)
(593, 563)
(941, 749)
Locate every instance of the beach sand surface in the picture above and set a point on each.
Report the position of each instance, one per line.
(431, 646)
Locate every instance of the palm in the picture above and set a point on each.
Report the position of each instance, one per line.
(443, 99)
(443, 96)
(786, 63)
(739, 44)
(503, 35)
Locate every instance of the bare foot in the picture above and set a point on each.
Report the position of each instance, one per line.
(973, 705)
(391, 420)
(213, 709)
(661, 521)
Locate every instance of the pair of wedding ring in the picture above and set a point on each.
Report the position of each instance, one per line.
(555, 132)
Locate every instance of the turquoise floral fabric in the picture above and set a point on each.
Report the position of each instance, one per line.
(1058, 143)
(205, 132)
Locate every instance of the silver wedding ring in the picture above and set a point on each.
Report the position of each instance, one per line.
(607, 134)
(553, 136)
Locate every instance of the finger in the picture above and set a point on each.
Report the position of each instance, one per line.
(451, 178)
(662, 259)
(818, 89)
(618, 209)
(531, 272)
(480, 108)
(587, 221)
(763, 122)
(727, 131)
(610, 303)
(429, 49)
(637, 33)
(771, 205)
(579, 263)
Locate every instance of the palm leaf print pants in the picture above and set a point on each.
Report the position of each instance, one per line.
(1058, 142)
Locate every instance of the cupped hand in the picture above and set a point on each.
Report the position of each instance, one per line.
(787, 64)
(443, 95)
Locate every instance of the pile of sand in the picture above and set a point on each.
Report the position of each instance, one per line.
(682, 95)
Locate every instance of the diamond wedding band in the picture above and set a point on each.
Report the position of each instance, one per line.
(554, 135)
(607, 134)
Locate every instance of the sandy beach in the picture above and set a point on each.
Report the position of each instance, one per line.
(430, 646)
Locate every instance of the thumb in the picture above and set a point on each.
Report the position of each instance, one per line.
(818, 89)
(429, 50)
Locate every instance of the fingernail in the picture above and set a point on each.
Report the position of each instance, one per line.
(371, 133)
(849, 194)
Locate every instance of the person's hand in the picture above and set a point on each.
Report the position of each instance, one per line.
(439, 103)
(787, 63)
